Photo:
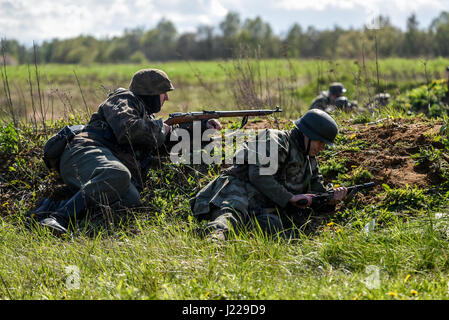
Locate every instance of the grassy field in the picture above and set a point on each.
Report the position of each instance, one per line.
(246, 83)
(389, 243)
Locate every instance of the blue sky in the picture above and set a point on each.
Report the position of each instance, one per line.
(38, 20)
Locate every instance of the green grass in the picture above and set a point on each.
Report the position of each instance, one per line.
(214, 84)
(162, 259)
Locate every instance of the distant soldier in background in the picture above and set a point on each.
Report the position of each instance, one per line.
(333, 99)
(380, 100)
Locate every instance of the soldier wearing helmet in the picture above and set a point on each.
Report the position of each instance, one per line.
(331, 99)
(106, 163)
(242, 196)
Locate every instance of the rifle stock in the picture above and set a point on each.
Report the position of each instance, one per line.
(178, 118)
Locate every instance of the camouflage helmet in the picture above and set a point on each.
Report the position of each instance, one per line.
(318, 125)
(150, 82)
(336, 88)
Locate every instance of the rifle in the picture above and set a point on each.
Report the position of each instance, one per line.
(322, 198)
(178, 117)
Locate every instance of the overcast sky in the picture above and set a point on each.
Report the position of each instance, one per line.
(37, 20)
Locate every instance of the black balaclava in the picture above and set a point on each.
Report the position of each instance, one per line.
(152, 103)
(298, 136)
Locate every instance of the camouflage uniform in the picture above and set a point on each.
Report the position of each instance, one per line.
(106, 163)
(117, 140)
(325, 102)
(240, 194)
(322, 101)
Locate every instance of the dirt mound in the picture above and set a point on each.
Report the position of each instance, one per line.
(389, 145)
(385, 147)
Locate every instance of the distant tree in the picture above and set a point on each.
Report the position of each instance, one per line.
(160, 43)
(389, 38)
(293, 41)
(440, 31)
(230, 28)
(15, 52)
(163, 43)
(205, 42)
(186, 46)
(138, 57)
(350, 44)
(255, 33)
(413, 38)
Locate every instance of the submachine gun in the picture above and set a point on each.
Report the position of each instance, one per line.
(323, 198)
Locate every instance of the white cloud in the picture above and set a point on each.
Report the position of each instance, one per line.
(368, 5)
(27, 20)
(217, 9)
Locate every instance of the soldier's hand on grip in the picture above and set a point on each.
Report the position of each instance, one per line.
(296, 200)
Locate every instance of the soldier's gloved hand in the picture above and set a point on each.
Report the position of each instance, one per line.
(339, 194)
(297, 197)
(213, 124)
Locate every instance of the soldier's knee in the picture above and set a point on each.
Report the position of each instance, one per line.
(116, 174)
(269, 223)
(225, 218)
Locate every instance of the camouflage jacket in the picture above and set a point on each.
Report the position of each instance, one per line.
(322, 101)
(243, 187)
(124, 125)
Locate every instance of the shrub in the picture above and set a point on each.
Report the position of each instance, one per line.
(9, 139)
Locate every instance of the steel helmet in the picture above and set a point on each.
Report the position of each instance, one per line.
(336, 88)
(318, 125)
(150, 82)
(341, 102)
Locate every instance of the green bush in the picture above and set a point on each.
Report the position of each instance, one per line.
(405, 198)
(9, 139)
(428, 99)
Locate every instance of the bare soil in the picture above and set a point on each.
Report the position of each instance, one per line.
(390, 145)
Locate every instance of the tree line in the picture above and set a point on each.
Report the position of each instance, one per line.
(233, 36)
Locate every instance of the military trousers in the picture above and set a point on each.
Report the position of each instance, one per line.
(288, 222)
(227, 219)
(102, 178)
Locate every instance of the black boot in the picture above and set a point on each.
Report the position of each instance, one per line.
(43, 208)
(72, 209)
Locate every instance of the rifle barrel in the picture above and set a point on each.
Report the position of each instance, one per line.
(177, 118)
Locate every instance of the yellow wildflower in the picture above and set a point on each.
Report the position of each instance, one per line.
(407, 277)
(414, 292)
(392, 294)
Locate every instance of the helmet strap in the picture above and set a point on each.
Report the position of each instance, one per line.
(308, 146)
